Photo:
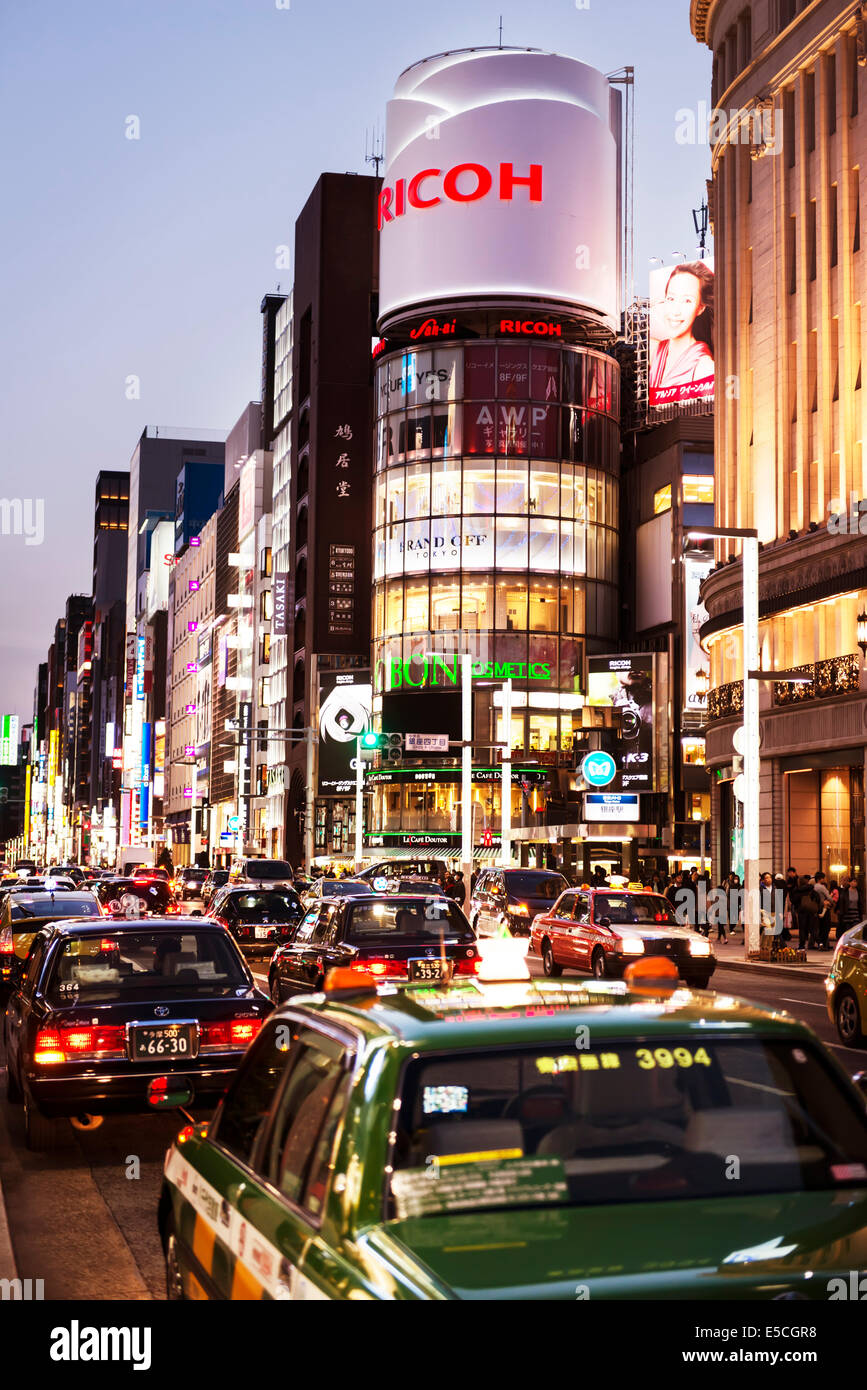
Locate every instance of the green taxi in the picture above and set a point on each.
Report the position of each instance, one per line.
(522, 1140)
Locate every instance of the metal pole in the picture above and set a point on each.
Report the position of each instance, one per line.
(466, 767)
(359, 805)
(701, 832)
(752, 925)
(193, 813)
(309, 807)
(506, 770)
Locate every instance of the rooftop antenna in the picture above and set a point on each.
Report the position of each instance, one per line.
(373, 149)
(501, 31)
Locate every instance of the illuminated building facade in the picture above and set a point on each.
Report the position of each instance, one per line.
(787, 165)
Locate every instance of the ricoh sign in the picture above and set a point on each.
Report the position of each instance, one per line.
(501, 179)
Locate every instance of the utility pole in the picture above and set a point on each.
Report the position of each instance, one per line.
(359, 805)
(506, 770)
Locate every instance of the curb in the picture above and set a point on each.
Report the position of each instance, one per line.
(8, 1268)
(777, 972)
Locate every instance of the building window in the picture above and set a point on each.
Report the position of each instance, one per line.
(831, 92)
(811, 238)
(698, 487)
(265, 648)
(265, 563)
(789, 126)
(662, 500)
(832, 220)
(810, 108)
(264, 692)
(266, 604)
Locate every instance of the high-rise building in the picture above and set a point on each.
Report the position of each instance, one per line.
(497, 441)
(788, 146)
(324, 580)
(110, 546)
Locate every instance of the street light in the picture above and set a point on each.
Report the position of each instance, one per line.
(702, 684)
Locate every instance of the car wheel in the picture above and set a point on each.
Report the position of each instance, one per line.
(274, 989)
(698, 982)
(549, 965)
(41, 1134)
(174, 1279)
(597, 965)
(847, 1018)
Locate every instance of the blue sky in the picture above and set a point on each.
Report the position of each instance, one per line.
(149, 257)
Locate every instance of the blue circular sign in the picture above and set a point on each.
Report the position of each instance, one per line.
(598, 769)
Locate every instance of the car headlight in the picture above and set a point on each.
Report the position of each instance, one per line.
(632, 945)
(698, 946)
(519, 910)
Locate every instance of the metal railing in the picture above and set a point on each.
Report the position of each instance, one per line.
(836, 675)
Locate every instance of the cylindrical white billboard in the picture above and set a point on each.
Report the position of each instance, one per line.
(501, 181)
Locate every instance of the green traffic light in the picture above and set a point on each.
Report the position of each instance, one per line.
(370, 740)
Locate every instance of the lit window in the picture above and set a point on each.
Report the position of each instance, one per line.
(697, 487)
(662, 499)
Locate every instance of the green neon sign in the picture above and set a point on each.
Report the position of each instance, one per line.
(446, 671)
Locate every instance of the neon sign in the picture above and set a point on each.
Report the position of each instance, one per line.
(530, 328)
(446, 670)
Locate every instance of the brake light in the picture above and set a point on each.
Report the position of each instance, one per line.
(55, 1045)
(380, 969)
(469, 967)
(106, 945)
(7, 946)
(236, 1032)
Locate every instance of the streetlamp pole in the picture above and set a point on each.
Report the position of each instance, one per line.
(506, 771)
(467, 767)
(359, 806)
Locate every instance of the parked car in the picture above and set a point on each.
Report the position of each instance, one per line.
(257, 873)
(510, 898)
(258, 918)
(601, 930)
(393, 937)
(109, 1016)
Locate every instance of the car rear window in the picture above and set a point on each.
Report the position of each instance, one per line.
(276, 906)
(268, 868)
(46, 905)
(532, 885)
(402, 921)
(658, 1120)
(94, 968)
(634, 909)
(339, 887)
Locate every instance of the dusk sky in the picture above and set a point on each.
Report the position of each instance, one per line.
(149, 257)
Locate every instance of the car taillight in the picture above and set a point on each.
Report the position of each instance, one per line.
(54, 1045)
(468, 967)
(7, 946)
(236, 1032)
(380, 969)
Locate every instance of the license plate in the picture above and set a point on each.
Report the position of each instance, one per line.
(262, 933)
(151, 1042)
(430, 970)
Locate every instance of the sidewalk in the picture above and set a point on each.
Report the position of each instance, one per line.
(7, 1256)
(731, 954)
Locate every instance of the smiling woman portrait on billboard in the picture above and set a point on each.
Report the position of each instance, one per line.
(681, 333)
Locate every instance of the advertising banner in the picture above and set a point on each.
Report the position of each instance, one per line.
(694, 571)
(681, 347)
(280, 610)
(626, 683)
(345, 712)
(9, 740)
(489, 158)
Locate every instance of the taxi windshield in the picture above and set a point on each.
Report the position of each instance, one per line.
(95, 968)
(46, 905)
(401, 921)
(634, 909)
(621, 1122)
(535, 885)
(275, 905)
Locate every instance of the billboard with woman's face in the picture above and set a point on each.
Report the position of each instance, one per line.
(681, 334)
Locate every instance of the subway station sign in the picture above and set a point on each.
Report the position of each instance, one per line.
(446, 670)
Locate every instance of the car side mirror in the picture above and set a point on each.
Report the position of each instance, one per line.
(197, 912)
(605, 921)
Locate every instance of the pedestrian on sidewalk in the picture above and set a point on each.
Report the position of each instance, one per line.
(808, 914)
(849, 905)
(823, 923)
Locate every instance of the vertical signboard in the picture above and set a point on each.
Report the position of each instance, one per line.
(279, 615)
(626, 684)
(345, 711)
(341, 583)
(9, 740)
(694, 571)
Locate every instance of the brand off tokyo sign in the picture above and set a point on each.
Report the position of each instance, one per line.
(501, 179)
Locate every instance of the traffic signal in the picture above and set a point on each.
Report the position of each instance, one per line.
(392, 748)
(370, 744)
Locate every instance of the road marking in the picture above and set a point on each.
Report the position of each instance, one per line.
(809, 1003)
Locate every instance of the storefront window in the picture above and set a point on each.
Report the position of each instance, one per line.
(448, 369)
(544, 490)
(417, 611)
(445, 604)
(544, 374)
(512, 606)
(479, 489)
(394, 547)
(416, 546)
(417, 491)
(512, 548)
(478, 604)
(512, 490)
(445, 488)
(543, 733)
(394, 606)
(446, 431)
(543, 607)
(415, 434)
(394, 499)
(544, 544)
